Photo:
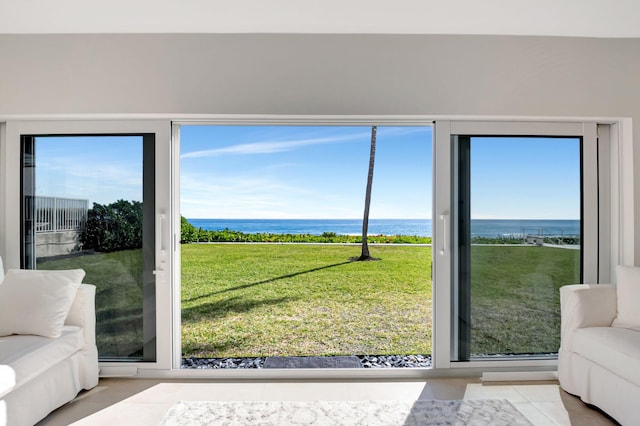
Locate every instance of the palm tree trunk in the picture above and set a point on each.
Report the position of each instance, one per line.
(367, 200)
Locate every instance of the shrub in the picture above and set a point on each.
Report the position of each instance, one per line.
(113, 227)
(188, 232)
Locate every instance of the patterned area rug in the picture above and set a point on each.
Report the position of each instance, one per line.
(371, 413)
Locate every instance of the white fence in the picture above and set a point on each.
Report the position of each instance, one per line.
(54, 214)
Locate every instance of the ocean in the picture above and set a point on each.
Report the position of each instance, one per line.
(490, 228)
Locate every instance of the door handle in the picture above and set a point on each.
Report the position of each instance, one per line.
(445, 233)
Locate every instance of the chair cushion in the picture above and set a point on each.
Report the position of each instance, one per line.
(37, 302)
(24, 357)
(616, 349)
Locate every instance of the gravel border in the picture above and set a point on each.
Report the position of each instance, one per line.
(366, 361)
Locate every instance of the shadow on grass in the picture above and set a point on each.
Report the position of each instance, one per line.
(239, 304)
(267, 281)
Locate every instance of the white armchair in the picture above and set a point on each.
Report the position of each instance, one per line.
(598, 360)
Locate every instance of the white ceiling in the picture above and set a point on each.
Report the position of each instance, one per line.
(582, 18)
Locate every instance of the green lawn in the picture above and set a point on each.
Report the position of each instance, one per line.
(515, 299)
(118, 282)
(301, 299)
(308, 299)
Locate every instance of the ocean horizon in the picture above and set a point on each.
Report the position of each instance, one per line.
(489, 228)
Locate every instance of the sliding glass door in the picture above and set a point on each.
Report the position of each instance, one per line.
(90, 199)
(518, 217)
(519, 240)
(271, 239)
(519, 209)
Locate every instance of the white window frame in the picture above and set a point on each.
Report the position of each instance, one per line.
(617, 239)
(10, 163)
(613, 163)
(271, 121)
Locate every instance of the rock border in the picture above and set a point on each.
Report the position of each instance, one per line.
(366, 361)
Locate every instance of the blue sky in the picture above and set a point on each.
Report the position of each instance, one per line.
(525, 178)
(318, 172)
(101, 169)
(303, 172)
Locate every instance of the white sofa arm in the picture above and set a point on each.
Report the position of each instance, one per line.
(586, 305)
(83, 312)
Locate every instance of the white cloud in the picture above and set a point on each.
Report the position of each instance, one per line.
(261, 197)
(242, 197)
(269, 147)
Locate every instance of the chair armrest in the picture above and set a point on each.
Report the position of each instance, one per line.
(586, 305)
(83, 312)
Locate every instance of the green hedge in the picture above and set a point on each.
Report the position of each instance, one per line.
(113, 227)
(191, 234)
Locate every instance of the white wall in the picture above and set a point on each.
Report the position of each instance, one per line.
(316, 74)
(323, 74)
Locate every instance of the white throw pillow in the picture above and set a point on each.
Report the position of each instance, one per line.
(628, 294)
(1, 270)
(37, 302)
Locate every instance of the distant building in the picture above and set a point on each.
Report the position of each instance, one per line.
(535, 239)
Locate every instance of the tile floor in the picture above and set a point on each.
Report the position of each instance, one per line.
(145, 402)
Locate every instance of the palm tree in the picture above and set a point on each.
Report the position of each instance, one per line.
(365, 255)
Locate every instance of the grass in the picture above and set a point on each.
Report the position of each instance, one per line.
(301, 299)
(118, 280)
(307, 299)
(515, 300)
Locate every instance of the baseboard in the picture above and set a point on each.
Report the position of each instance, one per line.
(118, 371)
(518, 376)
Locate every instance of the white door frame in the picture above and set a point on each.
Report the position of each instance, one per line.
(609, 224)
(10, 217)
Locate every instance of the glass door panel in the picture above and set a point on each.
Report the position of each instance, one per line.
(304, 186)
(519, 240)
(88, 202)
